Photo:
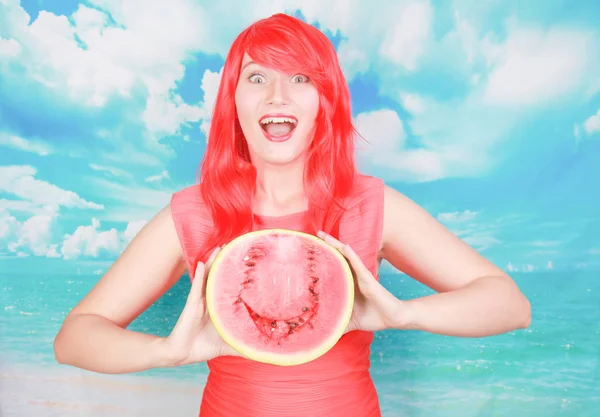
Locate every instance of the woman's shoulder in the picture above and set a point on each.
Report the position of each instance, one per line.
(367, 189)
(187, 197)
(373, 186)
(188, 192)
(188, 206)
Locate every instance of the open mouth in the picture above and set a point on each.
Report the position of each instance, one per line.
(278, 128)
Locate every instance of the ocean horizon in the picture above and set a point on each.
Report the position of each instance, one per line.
(550, 369)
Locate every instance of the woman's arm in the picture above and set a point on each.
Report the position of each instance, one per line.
(94, 335)
(474, 297)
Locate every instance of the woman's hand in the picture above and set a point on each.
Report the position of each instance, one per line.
(194, 338)
(375, 308)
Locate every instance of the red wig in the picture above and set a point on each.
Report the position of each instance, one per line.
(228, 179)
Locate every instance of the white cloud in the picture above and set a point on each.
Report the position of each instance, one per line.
(412, 103)
(401, 37)
(130, 202)
(111, 170)
(405, 41)
(546, 243)
(592, 123)
(16, 142)
(210, 87)
(132, 229)
(144, 53)
(384, 131)
(21, 206)
(9, 225)
(165, 113)
(481, 242)
(89, 241)
(457, 216)
(148, 47)
(34, 235)
(9, 48)
(534, 67)
(158, 177)
(460, 136)
(21, 182)
(387, 153)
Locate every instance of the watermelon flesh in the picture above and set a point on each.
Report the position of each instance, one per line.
(280, 296)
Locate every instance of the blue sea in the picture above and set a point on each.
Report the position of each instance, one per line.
(550, 369)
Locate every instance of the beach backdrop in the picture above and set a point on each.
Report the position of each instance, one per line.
(485, 113)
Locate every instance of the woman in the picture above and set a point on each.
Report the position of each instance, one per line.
(280, 154)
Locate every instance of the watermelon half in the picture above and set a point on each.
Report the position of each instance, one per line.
(280, 296)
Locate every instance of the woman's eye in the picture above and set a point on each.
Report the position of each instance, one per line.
(256, 78)
(300, 79)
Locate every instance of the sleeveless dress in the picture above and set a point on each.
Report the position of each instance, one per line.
(338, 384)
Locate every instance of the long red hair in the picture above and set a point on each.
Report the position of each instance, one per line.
(228, 179)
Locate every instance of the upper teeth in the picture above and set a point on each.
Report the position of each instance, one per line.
(277, 120)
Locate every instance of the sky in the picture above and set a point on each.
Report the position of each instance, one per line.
(485, 113)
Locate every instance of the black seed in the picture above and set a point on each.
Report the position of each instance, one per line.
(304, 308)
(273, 324)
(315, 279)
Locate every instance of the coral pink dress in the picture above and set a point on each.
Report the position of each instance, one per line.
(338, 384)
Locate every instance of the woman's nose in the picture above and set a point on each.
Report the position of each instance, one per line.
(278, 92)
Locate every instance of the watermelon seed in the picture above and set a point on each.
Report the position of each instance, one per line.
(315, 279)
(301, 320)
(273, 324)
(304, 308)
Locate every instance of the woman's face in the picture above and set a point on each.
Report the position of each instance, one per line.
(276, 111)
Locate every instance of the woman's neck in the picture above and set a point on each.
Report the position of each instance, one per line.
(280, 190)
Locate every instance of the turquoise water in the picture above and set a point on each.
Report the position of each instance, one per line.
(550, 369)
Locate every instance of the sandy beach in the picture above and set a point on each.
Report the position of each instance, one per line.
(56, 391)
